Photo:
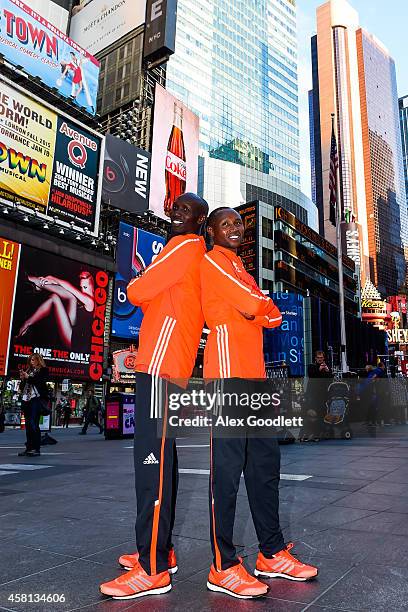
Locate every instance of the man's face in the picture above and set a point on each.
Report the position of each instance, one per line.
(186, 217)
(227, 230)
(319, 358)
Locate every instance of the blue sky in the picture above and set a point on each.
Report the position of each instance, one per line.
(387, 20)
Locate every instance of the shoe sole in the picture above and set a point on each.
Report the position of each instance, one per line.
(277, 575)
(171, 570)
(218, 589)
(158, 591)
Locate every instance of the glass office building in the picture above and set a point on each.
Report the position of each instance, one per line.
(354, 79)
(235, 65)
(403, 114)
(385, 192)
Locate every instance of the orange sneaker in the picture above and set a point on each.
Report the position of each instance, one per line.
(284, 565)
(129, 561)
(237, 582)
(136, 583)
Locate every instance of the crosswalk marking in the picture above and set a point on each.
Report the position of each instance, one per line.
(23, 467)
(297, 477)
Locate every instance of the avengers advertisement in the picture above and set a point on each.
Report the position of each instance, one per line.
(174, 152)
(135, 251)
(126, 175)
(59, 312)
(28, 40)
(286, 343)
(9, 260)
(48, 162)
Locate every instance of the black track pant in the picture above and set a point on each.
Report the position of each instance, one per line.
(156, 473)
(259, 460)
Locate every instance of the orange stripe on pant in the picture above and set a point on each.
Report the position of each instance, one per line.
(156, 515)
(217, 550)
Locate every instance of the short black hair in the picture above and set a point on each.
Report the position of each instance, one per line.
(214, 214)
(193, 197)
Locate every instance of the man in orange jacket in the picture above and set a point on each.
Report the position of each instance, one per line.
(236, 310)
(169, 294)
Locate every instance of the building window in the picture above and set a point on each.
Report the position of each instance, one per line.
(267, 258)
(267, 228)
(267, 284)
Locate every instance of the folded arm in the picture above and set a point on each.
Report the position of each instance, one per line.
(235, 292)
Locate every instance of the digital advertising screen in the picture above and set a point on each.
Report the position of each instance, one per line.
(286, 343)
(48, 162)
(135, 251)
(9, 262)
(30, 41)
(100, 23)
(174, 152)
(248, 251)
(126, 175)
(59, 312)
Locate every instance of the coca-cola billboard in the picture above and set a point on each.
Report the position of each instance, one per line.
(174, 168)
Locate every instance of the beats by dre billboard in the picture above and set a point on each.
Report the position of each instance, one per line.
(126, 175)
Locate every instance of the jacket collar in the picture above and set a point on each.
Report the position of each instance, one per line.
(230, 254)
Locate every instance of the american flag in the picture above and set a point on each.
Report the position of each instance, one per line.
(334, 164)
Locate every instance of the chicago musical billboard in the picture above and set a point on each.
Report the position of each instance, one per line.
(135, 251)
(174, 152)
(29, 40)
(48, 162)
(59, 312)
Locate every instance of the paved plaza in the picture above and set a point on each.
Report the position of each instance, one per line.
(68, 515)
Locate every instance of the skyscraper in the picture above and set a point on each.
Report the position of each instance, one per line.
(403, 108)
(354, 78)
(235, 65)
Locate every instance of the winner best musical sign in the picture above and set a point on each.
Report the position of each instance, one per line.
(48, 162)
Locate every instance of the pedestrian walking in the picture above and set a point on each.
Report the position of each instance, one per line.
(92, 409)
(169, 294)
(236, 311)
(35, 397)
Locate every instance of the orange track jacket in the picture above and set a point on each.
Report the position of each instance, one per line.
(235, 344)
(169, 294)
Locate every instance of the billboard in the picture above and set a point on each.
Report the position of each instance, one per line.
(126, 175)
(59, 311)
(286, 343)
(174, 152)
(135, 251)
(29, 40)
(9, 260)
(102, 22)
(47, 162)
(160, 33)
(55, 12)
(248, 251)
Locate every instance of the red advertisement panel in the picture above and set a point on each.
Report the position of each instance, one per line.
(9, 258)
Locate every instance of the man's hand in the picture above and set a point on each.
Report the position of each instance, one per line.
(248, 316)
